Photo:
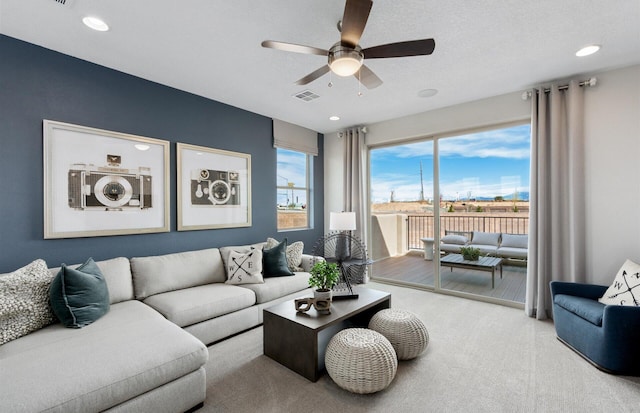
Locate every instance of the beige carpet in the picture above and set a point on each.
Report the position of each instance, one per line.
(481, 358)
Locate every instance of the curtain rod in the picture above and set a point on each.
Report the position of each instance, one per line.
(589, 82)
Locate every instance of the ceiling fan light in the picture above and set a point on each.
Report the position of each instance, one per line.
(345, 61)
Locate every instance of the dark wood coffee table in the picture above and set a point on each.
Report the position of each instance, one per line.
(299, 340)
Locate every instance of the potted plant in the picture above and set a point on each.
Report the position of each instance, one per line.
(470, 253)
(324, 275)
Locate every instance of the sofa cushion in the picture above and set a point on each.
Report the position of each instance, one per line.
(585, 308)
(24, 301)
(163, 273)
(293, 253)
(454, 239)
(277, 287)
(79, 296)
(515, 240)
(509, 252)
(117, 274)
(128, 352)
(245, 268)
(625, 289)
(193, 305)
(274, 261)
(485, 238)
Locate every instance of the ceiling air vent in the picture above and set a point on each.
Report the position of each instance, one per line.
(61, 1)
(306, 95)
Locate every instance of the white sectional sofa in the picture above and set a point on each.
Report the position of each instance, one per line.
(509, 246)
(148, 351)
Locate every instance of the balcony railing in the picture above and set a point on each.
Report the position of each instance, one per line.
(421, 226)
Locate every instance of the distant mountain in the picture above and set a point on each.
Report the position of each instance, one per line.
(522, 196)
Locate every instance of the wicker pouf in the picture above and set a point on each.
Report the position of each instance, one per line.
(405, 331)
(361, 360)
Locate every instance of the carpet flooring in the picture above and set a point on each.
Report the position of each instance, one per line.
(481, 358)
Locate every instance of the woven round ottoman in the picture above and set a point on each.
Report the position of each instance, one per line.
(405, 331)
(361, 360)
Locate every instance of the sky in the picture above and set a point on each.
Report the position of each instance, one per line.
(291, 169)
(483, 164)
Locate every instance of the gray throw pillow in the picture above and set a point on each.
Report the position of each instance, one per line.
(454, 239)
(293, 253)
(79, 296)
(24, 301)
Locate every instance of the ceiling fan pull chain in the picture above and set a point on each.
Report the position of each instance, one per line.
(359, 83)
(330, 79)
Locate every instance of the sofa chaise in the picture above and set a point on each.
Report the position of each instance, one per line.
(147, 353)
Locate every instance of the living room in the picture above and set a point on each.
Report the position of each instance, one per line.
(40, 82)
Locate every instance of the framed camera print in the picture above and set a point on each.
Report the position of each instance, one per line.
(99, 183)
(214, 188)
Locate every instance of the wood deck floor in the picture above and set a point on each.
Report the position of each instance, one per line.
(413, 268)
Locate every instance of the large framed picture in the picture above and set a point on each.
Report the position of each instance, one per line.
(99, 183)
(214, 188)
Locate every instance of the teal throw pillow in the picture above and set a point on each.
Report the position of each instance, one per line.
(79, 296)
(274, 261)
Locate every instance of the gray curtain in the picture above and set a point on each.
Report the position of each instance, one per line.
(354, 178)
(557, 211)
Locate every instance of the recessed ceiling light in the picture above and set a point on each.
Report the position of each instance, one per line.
(427, 93)
(587, 50)
(142, 147)
(95, 23)
(334, 117)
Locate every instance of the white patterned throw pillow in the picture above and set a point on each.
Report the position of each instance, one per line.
(245, 268)
(293, 253)
(625, 289)
(24, 301)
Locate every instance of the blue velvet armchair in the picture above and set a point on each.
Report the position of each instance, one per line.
(606, 335)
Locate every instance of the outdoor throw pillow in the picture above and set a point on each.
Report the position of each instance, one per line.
(24, 301)
(293, 253)
(79, 296)
(274, 261)
(625, 289)
(454, 239)
(245, 268)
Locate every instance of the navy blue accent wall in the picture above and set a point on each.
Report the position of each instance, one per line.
(37, 84)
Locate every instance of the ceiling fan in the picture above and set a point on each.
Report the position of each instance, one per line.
(346, 56)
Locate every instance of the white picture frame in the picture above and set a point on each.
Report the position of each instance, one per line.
(102, 183)
(214, 188)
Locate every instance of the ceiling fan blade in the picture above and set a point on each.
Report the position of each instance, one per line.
(356, 14)
(401, 49)
(369, 79)
(296, 48)
(313, 75)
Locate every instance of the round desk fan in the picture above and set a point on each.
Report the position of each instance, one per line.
(350, 254)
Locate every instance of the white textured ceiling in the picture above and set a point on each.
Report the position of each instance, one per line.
(212, 48)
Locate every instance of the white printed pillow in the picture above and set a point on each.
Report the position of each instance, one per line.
(245, 268)
(24, 301)
(625, 289)
(293, 253)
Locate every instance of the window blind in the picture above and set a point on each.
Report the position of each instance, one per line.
(293, 137)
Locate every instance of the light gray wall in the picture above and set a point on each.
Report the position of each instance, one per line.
(612, 133)
(612, 148)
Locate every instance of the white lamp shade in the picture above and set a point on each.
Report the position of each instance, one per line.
(342, 221)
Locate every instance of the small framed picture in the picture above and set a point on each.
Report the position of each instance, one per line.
(99, 183)
(214, 188)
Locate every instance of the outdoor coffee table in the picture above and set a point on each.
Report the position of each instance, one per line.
(299, 340)
(488, 264)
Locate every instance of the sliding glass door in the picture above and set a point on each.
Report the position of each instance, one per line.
(402, 212)
(429, 199)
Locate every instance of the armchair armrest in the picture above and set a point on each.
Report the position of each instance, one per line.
(622, 320)
(591, 291)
